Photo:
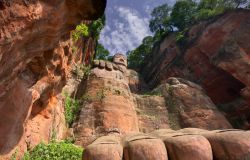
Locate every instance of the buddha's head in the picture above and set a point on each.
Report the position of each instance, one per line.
(120, 59)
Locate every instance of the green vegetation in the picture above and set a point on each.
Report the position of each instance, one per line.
(152, 93)
(99, 96)
(81, 71)
(136, 57)
(54, 151)
(92, 30)
(81, 30)
(71, 109)
(96, 27)
(160, 21)
(14, 155)
(178, 19)
(95, 31)
(101, 52)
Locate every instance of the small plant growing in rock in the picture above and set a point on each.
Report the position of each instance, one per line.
(100, 95)
(81, 71)
(117, 92)
(71, 109)
(81, 30)
(74, 49)
(153, 93)
(14, 156)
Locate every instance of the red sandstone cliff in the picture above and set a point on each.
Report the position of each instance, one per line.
(116, 119)
(216, 56)
(36, 57)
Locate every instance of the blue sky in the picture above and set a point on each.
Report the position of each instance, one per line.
(127, 23)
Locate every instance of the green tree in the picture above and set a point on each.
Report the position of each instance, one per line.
(136, 57)
(179, 19)
(97, 26)
(183, 13)
(101, 52)
(160, 21)
(210, 8)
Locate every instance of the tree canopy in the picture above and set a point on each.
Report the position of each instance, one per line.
(183, 14)
(136, 57)
(160, 19)
(95, 30)
(179, 18)
(101, 52)
(96, 27)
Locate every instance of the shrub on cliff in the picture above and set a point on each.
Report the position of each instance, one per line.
(54, 151)
(81, 30)
(96, 27)
(71, 109)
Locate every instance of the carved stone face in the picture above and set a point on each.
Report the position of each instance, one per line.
(120, 59)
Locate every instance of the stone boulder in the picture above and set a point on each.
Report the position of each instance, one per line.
(189, 106)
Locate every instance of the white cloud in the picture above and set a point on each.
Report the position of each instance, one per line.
(126, 32)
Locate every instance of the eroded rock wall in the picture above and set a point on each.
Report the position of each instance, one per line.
(109, 107)
(215, 56)
(36, 58)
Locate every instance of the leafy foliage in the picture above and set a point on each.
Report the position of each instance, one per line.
(54, 151)
(95, 31)
(136, 57)
(14, 155)
(101, 52)
(183, 13)
(81, 30)
(81, 70)
(160, 21)
(178, 19)
(96, 27)
(71, 109)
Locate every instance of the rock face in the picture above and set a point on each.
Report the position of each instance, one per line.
(35, 60)
(121, 116)
(216, 57)
(110, 108)
(152, 112)
(189, 106)
(211, 71)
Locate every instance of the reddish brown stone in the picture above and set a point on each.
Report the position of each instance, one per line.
(186, 147)
(144, 147)
(189, 106)
(216, 57)
(35, 61)
(230, 144)
(104, 148)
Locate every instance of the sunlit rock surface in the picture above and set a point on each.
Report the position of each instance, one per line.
(35, 61)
